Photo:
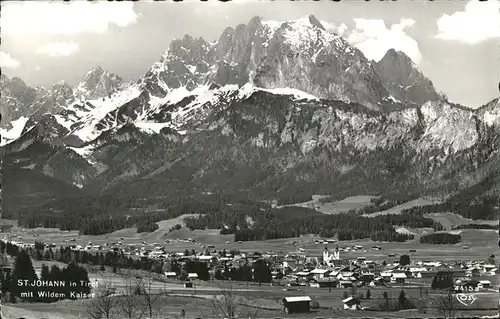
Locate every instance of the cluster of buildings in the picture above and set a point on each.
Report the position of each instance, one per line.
(297, 269)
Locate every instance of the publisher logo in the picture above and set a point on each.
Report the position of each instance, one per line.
(466, 299)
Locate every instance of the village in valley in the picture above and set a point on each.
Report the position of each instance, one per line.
(323, 277)
(203, 160)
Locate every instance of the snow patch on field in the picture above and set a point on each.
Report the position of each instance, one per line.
(404, 230)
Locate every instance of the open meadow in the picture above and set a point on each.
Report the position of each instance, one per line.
(397, 209)
(336, 207)
(448, 220)
(261, 302)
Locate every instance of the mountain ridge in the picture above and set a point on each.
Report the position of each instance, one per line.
(275, 109)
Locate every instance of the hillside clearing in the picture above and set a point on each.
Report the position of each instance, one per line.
(448, 220)
(336, 207)
(397, 209)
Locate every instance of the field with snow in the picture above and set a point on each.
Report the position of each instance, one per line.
(407, 205)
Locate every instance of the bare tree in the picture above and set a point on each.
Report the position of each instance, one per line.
(446, 304)
(224, 302)
(104, 304)
(128, 302)
(149, 297)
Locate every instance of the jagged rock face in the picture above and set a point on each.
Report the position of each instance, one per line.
(18, 100)
(62, 94)
(97, 83)
(402, 78)
(185, 64)
(490, 113)
(299, 54)
(326, 146)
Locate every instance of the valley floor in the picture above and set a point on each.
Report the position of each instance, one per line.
(257, 302)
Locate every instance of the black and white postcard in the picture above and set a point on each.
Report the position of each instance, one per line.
(249, 159)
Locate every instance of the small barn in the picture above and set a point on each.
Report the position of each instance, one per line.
(351, 303)
(484, 284)
(298, 304)
(170, 274)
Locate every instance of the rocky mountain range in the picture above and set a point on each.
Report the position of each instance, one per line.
(272, 110)
(21, 102)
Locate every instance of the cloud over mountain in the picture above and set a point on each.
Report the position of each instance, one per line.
(480, 21)
(58, 49)
(7, 61)
(374, 38)
(65, 18)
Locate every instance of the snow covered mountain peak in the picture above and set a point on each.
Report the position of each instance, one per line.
(97, 83)
(404, 79)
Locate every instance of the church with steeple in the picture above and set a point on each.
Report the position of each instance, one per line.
(329, 257)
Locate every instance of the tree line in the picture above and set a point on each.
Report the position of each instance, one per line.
(227, 212)
(292, 221)
(440, 238)
(475, 226)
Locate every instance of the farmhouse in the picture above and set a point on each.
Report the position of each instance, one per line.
(298, 304)
(398, 278)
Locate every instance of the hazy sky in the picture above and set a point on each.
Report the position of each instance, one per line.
(455, 43)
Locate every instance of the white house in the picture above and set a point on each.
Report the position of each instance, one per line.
(206, 258)
(192, 275)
